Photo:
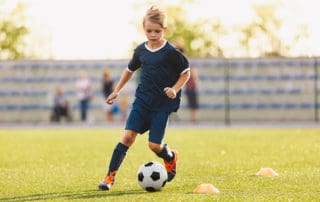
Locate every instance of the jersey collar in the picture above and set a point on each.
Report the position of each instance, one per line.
(154, 50)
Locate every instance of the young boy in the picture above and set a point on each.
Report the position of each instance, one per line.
(164, 71)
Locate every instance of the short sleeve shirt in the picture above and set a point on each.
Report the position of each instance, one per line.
(160, 68)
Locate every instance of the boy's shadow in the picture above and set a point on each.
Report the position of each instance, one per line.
(86, 194)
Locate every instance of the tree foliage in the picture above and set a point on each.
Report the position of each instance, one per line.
(199, 39)
(12, 33)
(262, 36)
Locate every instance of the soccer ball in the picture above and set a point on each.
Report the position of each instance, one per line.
(152, 176)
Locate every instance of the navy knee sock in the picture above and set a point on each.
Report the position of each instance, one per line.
(166, 153)
(118, 155)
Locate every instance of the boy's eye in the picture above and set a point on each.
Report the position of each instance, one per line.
(156, 31)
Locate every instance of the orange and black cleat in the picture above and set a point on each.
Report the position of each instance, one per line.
(107, 182)
(171, 166)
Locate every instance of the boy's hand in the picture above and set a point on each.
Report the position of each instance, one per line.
(112, 97)
(170, 92)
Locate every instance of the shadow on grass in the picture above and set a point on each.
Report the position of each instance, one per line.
(87, 194)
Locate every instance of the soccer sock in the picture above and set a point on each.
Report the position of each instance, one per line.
(166, 153)
(118, 155)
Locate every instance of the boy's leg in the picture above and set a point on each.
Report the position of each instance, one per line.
(170, 158)
(137, 123)
(158, 126)
(117, 158)
(118, 155)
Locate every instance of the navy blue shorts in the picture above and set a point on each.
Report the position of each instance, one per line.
(141, 120)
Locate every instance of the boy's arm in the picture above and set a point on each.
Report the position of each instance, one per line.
(172, 91)
(126, 75)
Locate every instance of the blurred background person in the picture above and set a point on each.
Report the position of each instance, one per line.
(107, 88)
(123, 105)
(191, 91)
(60, 107)
(191, 88)
(84, 95)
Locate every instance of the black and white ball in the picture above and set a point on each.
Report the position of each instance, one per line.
(152, 176)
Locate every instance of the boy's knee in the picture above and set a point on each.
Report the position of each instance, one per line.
(128, 138)
(155, 147)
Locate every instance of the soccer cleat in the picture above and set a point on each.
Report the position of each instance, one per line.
(107, 182)
(171, 167)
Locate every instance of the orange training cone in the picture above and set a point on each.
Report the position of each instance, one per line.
(268, 172)
(205, 189)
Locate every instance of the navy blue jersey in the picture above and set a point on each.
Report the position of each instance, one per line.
(159, 69)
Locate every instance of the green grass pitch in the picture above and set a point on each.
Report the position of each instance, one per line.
(67, 164)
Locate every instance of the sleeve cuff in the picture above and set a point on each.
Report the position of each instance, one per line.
(188, 69)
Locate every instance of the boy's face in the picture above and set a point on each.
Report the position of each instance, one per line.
(154, 32)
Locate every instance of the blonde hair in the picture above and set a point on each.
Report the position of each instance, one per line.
(156, 15)
(106, 72)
